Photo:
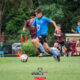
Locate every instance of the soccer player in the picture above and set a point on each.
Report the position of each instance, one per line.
(77, 28)
(56, 47)
(60, 39)
(31, 29)
(40, 22)
(73, 47)
(78, 43)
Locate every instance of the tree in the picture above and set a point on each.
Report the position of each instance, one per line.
(7, 5)
(2, 10)
(29, 4)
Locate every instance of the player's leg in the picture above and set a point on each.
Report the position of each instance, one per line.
(38, 45)
(34, 37)
(45, 45)
(49, 50)
(43, 40)
(65, 49)
(41, 54)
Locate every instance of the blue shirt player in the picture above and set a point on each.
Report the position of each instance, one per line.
(40, 22)
(41, 25)
(77, 28)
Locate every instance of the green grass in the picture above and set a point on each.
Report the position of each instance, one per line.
(11, 68)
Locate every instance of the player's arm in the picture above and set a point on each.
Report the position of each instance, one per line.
(54, 23)
(58, 35)
(24, 28)
(74, 31)
(26, 24)
(51, 21)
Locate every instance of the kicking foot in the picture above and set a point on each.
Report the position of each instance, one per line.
(41, 55)
(57, 58)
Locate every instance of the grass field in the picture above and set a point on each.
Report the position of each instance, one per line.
(11, 68)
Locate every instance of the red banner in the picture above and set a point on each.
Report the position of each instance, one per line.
(39, 78)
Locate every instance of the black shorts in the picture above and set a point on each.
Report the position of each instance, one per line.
(43, 38)
(33, 36)
(61, 43)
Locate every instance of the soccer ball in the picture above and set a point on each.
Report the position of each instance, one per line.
(24, 58)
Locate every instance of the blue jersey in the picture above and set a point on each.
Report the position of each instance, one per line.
(41, 25)
(78, 29)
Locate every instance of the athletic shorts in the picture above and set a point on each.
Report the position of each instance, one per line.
(33, 36)
(61, 43)
(1, 52)
(43, 38)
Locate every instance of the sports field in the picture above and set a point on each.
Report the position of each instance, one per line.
(11, 68)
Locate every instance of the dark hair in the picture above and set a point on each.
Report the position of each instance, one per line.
(78, 21)
(32, 13)
(38, 10)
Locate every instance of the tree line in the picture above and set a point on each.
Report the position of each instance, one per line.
(14, 13)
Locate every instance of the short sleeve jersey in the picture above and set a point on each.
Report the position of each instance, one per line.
(41, 25)
(31, 29)
(60, 39)
(78, 29)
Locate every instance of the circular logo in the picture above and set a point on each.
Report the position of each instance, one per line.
(40, 69)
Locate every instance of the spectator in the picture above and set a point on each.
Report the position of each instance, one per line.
(77, 28)
(78, 47)
(78, 43)
(1, 49)
(67, 44)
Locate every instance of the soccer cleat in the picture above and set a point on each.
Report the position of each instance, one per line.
(55, 57)
(44, 54)
(41, 55)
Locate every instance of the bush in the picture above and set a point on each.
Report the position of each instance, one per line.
(29, 49)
